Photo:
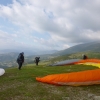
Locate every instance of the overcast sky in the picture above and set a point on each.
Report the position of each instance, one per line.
(48, 24)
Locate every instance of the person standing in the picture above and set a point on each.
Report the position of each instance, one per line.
(37, 60)
(20, 60)
(85, 57)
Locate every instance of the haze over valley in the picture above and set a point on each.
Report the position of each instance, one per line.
(8, 59)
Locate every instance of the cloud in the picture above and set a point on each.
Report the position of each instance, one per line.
(50, 24)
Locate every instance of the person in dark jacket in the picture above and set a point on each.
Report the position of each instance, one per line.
(37, 60)
(20, 60)
(85, 57)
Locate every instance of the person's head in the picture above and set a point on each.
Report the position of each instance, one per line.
(22, 53)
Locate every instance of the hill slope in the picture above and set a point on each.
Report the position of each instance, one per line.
(9, 59)
(93, 47)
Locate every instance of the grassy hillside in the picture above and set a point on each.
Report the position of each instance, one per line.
(21, 84)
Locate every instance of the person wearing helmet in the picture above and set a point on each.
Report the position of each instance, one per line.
(20, 60)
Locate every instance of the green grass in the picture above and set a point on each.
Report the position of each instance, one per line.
(22, 85)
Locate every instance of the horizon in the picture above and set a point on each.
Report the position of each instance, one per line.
(40, 52)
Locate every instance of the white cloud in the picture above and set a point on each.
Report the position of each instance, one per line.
(65, 22)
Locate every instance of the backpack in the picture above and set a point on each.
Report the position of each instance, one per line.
(19, 58)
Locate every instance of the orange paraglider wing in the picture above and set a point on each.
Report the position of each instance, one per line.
(89, 77)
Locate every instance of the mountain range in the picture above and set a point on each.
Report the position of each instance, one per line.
(92, 47)
(9, 59)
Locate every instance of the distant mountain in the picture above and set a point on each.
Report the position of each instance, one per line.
(93, 47)
(8, 57)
